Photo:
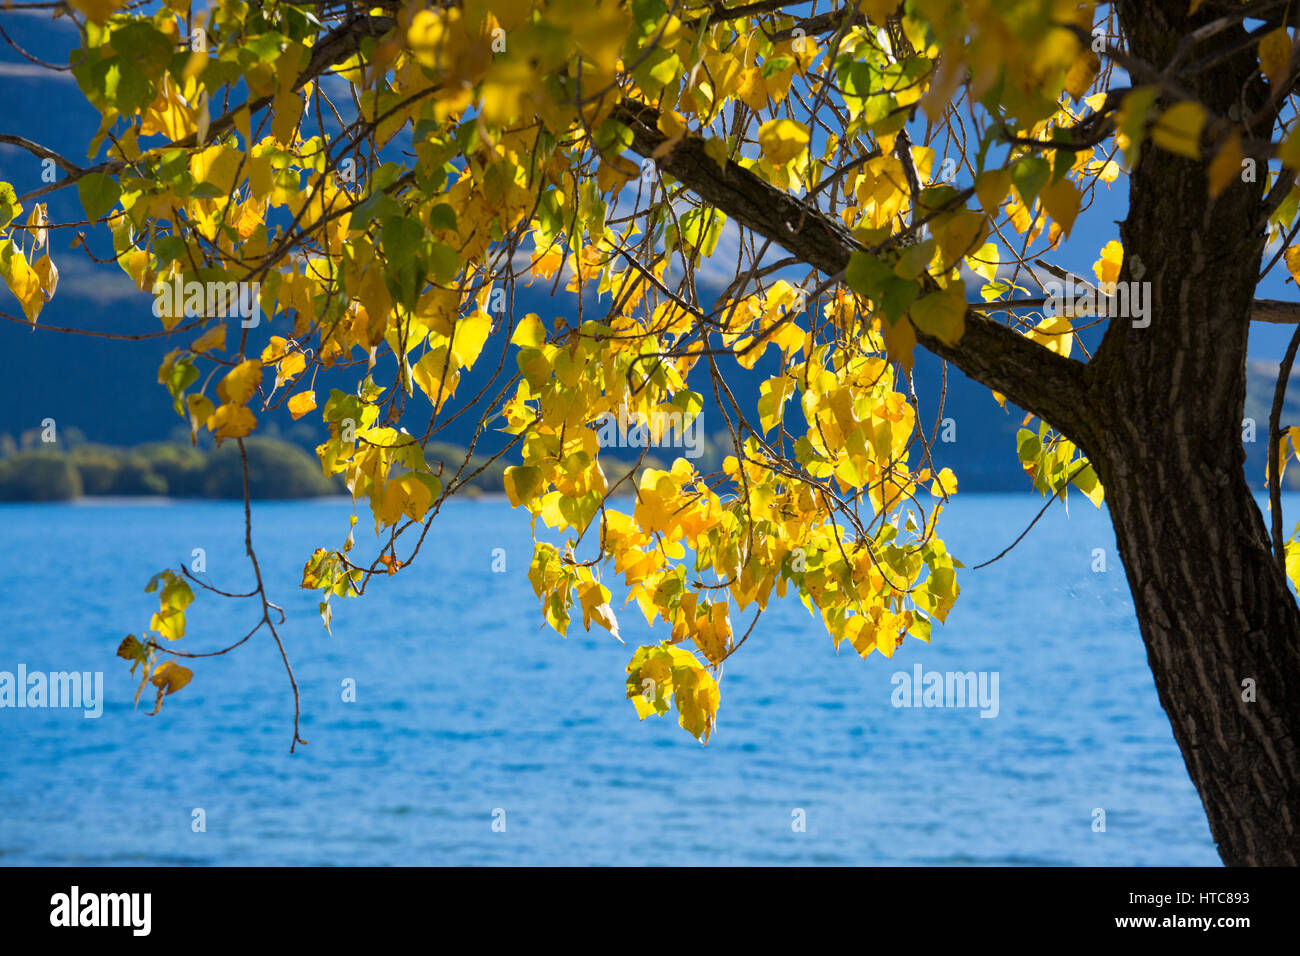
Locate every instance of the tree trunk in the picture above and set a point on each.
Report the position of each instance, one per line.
(1219, 623)
(1221, 628)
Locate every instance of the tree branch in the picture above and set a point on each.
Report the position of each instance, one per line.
(1047, 384)
(36, 149)
(1271, 310)
(1274, 459)
(1274, 311)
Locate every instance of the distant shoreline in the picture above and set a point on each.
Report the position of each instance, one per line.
(162, 501)
(275, 470)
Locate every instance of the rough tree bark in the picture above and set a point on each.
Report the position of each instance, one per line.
(1212, 603)
(1159, 412)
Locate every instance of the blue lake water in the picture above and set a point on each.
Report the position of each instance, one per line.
(465, 706)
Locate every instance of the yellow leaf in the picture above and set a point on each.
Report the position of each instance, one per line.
(672, 126)
(275, 350)
(243, 122)
(1289, 151)
(195, 64)
(213, 338)
(248, 219)
(96, 11)
(781, 140)
(1086, 481)
(1082, 72)
(900, 342)
(1106, 269)
(992, 187)
(941, 314)
(1275, 54)
(200, 408)
(169, 622)
(1293, 562)
(260, 176)
(301, 404)
(1226, 166)
(959, 235)
(170, 676)
(752, 91)
(231, 421)
(203, 119)
(287, 106)
(407, 496)
(774, 393)
(48, 273)
(470, 335)
(985, 260)
(436, 377)
(241, 382)
(712, 634)
(217, 165)
(1282, 456)
(1292, 257)
(611, 174)
(522, 483)
(594, 598)
(1054, 333)
(25, 283)
(375, 299)
(289, 367)
(716, 149)
(945, 483)
(1062, 201)
(37, 221)
(878, 11)
(1178, 130)
(530, 333)
(1107, 171)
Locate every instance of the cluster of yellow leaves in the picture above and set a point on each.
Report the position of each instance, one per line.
(1054, 463)
(657, 675)
(1282, 453)
(385, 466)
(768, 532)
(510, 106)
(167, 676)
(32, 281)
(1028, 51)
(439, 65)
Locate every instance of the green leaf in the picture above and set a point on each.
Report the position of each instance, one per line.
(1030, 174)
(444, 263)
(872, 278)
(442, 216)
(99, 194)
(521, 483)
(401, 237)
(9, 205)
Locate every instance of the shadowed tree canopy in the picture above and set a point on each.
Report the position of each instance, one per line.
(880, 176)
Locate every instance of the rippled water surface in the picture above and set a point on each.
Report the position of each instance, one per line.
(464, 706)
